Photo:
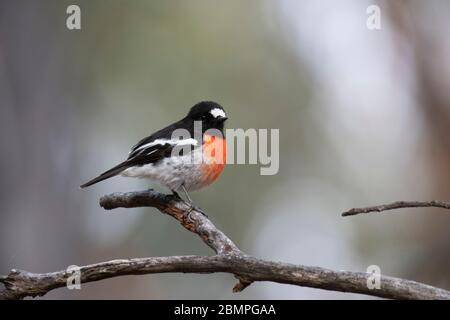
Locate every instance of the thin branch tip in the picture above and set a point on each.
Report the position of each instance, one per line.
(397, 205)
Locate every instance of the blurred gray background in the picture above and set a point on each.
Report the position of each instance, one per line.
(364, 119)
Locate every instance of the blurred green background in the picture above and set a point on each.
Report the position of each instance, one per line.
(364, 119)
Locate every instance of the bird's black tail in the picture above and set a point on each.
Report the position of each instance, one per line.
(108, 174)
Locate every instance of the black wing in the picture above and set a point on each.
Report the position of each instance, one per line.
(149, 150)
(142, 154)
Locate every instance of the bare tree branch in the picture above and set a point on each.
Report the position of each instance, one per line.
(397, 205)
(229, 259)
(22, 283)
(196, 221)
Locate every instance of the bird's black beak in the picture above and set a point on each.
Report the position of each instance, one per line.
(222, 119)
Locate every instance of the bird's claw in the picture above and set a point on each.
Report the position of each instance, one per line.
(191, 209)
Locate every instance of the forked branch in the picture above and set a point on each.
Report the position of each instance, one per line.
(229, 259)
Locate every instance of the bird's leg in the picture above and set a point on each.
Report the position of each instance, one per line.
(191, 204)
(187, 194)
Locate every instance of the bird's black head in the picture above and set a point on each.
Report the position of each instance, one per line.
(211, 114)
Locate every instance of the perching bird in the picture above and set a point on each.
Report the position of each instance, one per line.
(188, 163)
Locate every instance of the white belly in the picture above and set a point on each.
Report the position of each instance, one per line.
(172, 172)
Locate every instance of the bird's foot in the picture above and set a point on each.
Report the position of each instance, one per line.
(190, 203)
(192, 208)
(176, 195)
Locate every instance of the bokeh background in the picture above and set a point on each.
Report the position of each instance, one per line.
(364, 119)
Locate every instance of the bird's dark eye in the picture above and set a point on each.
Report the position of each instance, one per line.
(203, 117)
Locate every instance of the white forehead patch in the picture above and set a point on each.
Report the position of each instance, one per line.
(217, 113)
